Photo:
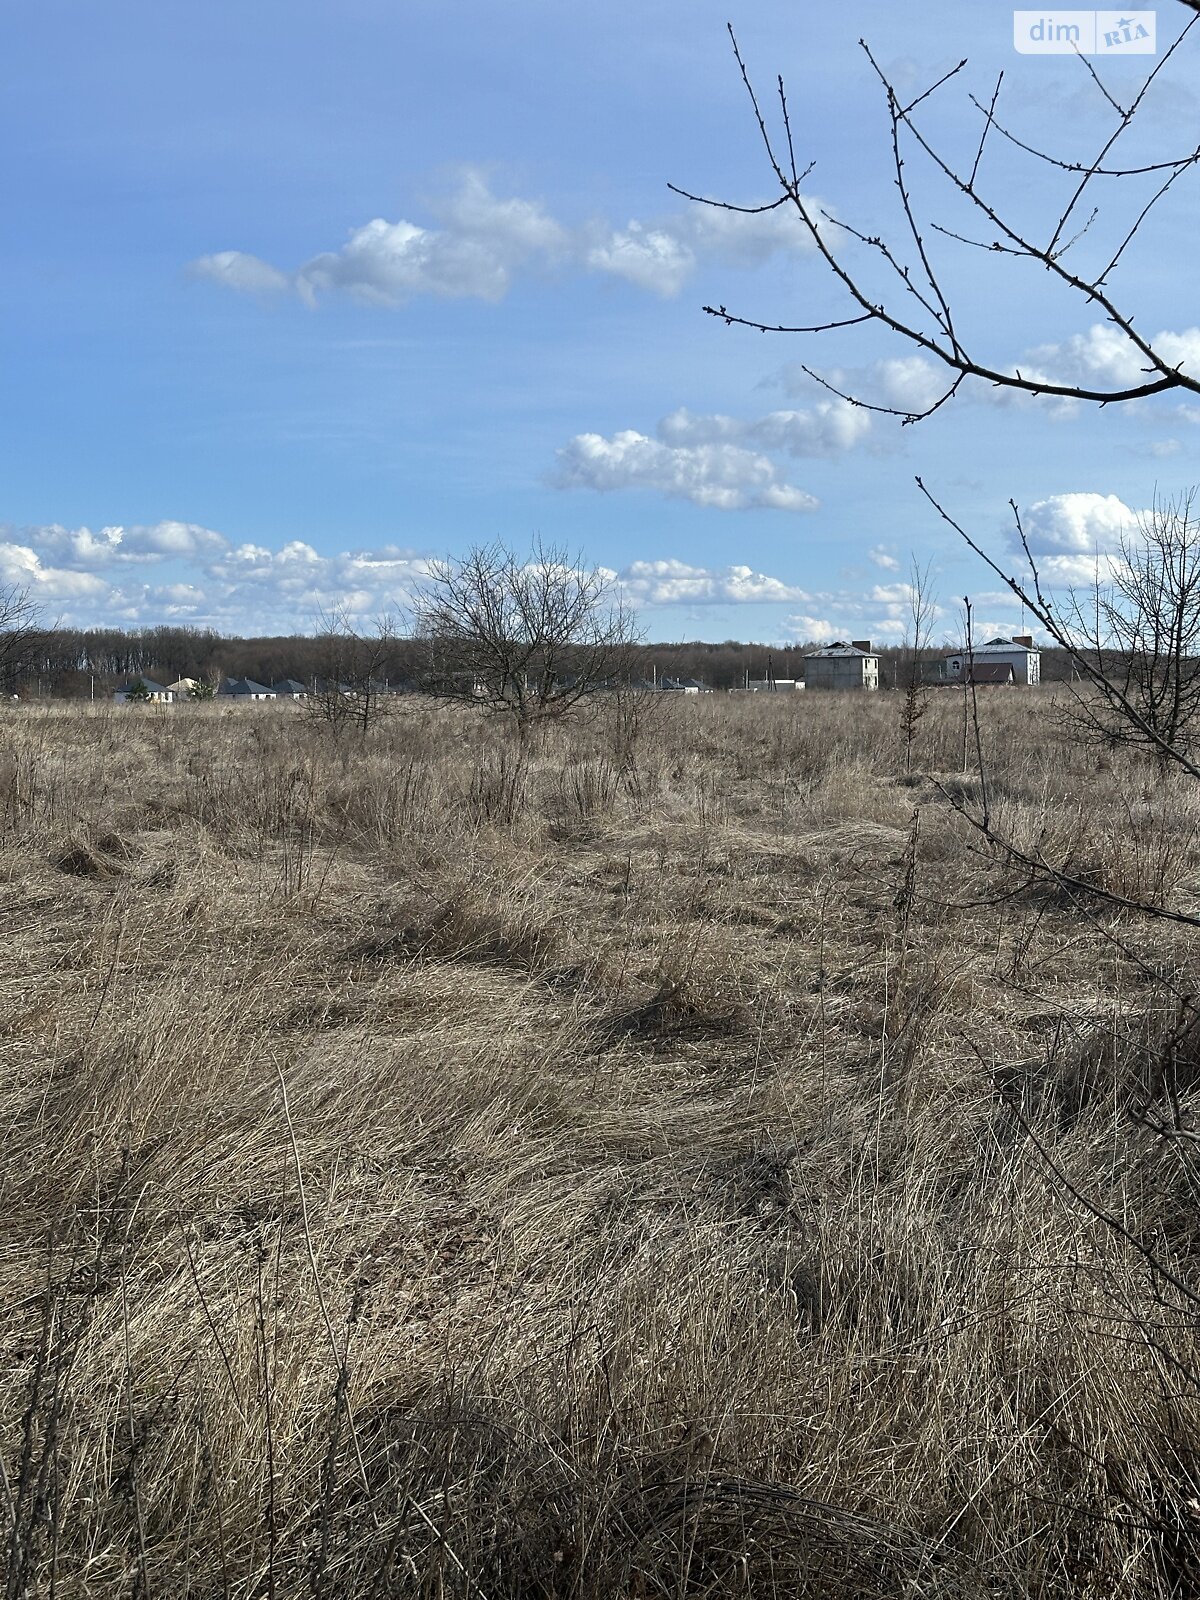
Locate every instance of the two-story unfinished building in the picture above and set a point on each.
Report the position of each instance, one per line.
(843, 666)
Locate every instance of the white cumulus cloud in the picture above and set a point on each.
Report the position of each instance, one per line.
(649, 258)
(1077, 524)
(48, 586)
(805, 628)
(1104, 357)
(479, 242)
(389, 262)
(722, 476)
(745, 239)
(882, 614)
(97, 578)
(670, 582)
(714, 460)
(824, 429)
(85, 549)
(1076, 537)
(296, 577)
(911, 384)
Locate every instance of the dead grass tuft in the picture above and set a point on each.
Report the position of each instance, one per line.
(105, 857)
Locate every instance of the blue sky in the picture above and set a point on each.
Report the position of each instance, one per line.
(300, 295)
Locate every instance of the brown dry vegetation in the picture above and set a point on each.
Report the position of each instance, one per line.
(433, 1172)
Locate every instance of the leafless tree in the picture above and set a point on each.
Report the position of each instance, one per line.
(1132, 644)
(911, 665)
(351, 690)
(21, 635)
(531, 637)
(1140, 629)
(911, 297)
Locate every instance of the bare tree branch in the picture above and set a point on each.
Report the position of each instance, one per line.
(921, 313)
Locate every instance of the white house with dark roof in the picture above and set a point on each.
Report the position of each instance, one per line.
(245, 689)
(141, 691)
(1018, 652)
(843, 666)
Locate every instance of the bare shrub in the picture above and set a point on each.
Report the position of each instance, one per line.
(532, 637)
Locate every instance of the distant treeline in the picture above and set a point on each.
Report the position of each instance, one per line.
(77, 662)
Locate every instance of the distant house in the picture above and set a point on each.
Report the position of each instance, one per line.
(289, 689)
(182, 688)
(773, 685)
(141, 691)
(843, 666)
(245, 689)
(1018, 653)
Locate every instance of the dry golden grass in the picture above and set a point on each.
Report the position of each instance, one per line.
(433, 1172)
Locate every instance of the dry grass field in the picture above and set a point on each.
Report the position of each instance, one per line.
(664, 1164)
